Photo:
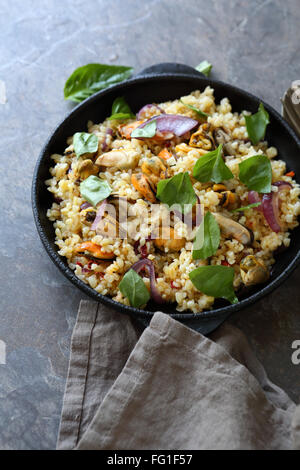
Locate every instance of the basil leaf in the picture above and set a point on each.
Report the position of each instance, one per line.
(84, 142)
(177, 190)
(133, 287)
(204, 67)
(87, 80)
(198, 111)
(241, 209)
(216, 281)
(94, 190)
(256, 173)
(211, 167)
(120, 110)
(148, 131)
(256, 124)
(207, 238)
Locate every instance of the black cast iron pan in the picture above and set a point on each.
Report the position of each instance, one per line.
(156, 84)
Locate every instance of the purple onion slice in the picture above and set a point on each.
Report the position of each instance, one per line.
(172, 124)
(147, 263)
(99, 214)
(271, 206)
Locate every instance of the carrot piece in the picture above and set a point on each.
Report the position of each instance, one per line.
(126, 129)
(290, 173)
(165, 154)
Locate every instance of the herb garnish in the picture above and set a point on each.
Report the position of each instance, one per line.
(250, 206)
(216, 281)
(256, 124)
(94, 190)
(148, 131)
(120, 110)
(207, 238)
(198, 111)
(256, 173)
(133, 287)
(87, 80)
(211, 167)
(204, 67)
(177, 190)
(84, 142)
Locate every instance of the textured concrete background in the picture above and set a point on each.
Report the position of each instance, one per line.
(253, 44)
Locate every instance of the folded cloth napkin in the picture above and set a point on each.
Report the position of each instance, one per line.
(168, 388)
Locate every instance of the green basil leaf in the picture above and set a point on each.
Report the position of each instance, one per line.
(148, 131)
(211, 167)
(133, 287)
(87, 80)
(198, 111)
(94, 190)
(207, 238)
(216, 281)
(241, 209)
(177, 190)
(120, 110)
(119, 117)
(256, 173)
(204, 67)
(256, 124)
(84, 142)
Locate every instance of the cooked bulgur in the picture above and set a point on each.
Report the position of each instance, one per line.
(172, 267)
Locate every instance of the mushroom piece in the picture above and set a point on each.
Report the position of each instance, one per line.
(87, 168)
(121, 159)
(253, 271)
(144, 186)
(232, 229)
(92, 250)
(167, 240)
(203, 138)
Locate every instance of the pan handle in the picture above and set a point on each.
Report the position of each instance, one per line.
(205, 327)
(169, 67)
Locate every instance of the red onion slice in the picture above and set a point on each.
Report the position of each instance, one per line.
(108, 131)
(253, 197)
(147, 263)
(172, 124)
(99, 214)
(142, 112)
(271, 206)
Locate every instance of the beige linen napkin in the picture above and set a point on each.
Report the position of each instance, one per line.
(170, 388)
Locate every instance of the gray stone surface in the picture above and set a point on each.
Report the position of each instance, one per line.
(253, 44)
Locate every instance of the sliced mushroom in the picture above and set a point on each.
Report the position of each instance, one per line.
(144, 186)
(121, 159)
(232, 229)
(92, 250)
(253, 271)
(168, 240)
(87, 168)
(203, 138)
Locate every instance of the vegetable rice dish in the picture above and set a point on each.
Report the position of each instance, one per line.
(183, 202)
